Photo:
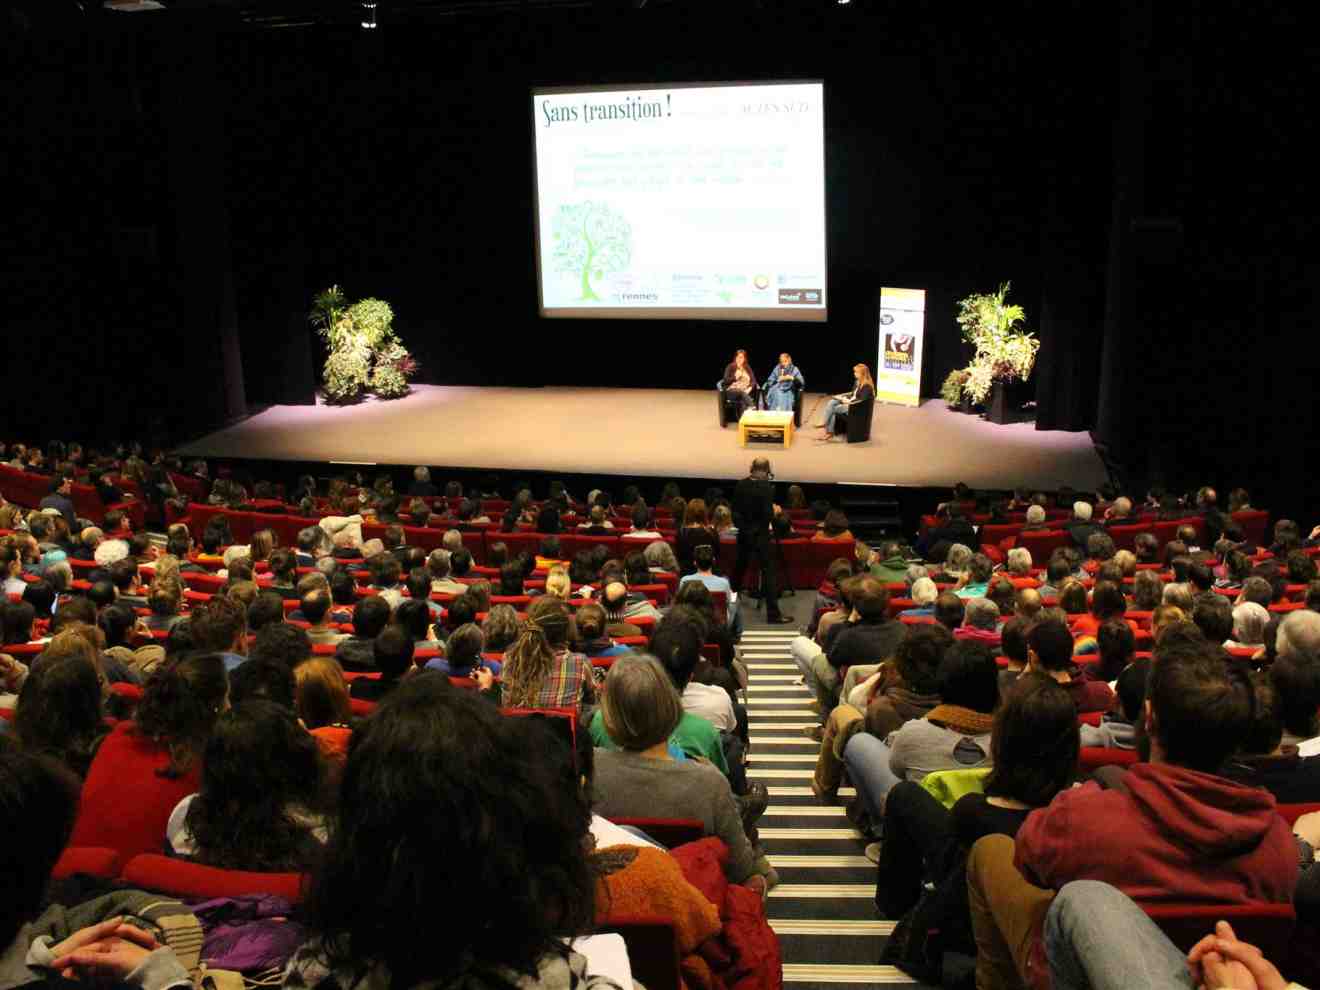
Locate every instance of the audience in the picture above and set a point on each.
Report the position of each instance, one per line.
(640, 710)
(1175, 830)
(270, 783)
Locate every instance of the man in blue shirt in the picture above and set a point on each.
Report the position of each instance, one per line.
(704, 559)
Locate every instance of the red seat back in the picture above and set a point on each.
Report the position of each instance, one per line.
(1125, 537)
(192, 881)
(1255, 525)
(1040, 543)
(1269, 927)
(669, 832)
(93, 861)
(1092, 757)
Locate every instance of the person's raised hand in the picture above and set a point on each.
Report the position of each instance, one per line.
(484, 678)
(1220, 962)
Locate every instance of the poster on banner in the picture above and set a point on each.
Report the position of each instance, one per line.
(902, 329)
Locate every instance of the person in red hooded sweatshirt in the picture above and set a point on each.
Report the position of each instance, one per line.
(1174, 831)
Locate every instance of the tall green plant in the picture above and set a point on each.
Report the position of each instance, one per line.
(365, 353)
(1003, 350)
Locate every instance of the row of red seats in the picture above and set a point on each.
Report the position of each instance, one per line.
(805, 561)
(28, 489)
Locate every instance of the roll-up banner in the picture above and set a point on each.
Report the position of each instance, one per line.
(902, 329)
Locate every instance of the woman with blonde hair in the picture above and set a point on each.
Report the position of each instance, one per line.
(166, 574)
(539, 669)
(863, 389)
(723, 520)
(557, 583)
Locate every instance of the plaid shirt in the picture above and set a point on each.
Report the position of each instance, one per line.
(567, 684)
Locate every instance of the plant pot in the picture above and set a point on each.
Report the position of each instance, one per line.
(999, 409)
(964, 404)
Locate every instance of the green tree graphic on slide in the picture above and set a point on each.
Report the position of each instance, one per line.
(590, 240)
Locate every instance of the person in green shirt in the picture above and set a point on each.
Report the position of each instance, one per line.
(888, 564)
(694, 736)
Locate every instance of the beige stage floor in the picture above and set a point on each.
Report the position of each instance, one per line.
(652, 432)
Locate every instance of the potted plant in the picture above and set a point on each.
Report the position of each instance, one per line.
(365, 353)
(952, 390)
(1004, 352)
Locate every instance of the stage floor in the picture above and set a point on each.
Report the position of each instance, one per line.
(652, 433)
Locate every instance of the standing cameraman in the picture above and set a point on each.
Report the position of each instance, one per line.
(754, 511)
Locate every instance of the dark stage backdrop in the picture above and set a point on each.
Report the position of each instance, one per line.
(184, 181)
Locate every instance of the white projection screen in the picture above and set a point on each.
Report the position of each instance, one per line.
(693, 201)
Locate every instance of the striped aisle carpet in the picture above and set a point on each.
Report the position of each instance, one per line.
(823, 909)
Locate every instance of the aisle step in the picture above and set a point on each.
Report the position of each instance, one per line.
(844, 792)
(843, 926)
(819, 862)
(804, 811)
(770, 834)
(862, 891)
(839, 973)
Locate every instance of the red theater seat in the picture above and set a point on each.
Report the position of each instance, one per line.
(93, 861)
(194, 882)
(1269, 927)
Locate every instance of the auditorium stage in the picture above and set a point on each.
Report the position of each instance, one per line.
(652, 433)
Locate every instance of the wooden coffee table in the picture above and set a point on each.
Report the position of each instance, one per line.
(763, 421)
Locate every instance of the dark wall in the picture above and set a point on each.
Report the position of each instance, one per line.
(184, 182)
(404, 158)
(398, 164)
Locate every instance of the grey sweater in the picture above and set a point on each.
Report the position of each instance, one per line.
(629, 785)
(921, 747)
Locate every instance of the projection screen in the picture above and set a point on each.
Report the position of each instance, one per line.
(694, 201)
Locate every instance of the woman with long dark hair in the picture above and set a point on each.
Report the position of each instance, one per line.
(695, 532)
(430, 762)
(257, 808)
(739, 382)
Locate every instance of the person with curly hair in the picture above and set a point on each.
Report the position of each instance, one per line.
(540, 671)
(144, 767)
(258, 807)
(434, 761)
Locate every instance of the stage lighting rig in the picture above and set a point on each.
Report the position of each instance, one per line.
(368, 15)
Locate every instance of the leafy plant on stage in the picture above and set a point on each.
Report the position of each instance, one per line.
(590, 240)
(952, 389)
(365, 353)
(1005, 352)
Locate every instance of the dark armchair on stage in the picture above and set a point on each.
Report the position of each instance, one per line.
(730, 410)
(855, 421)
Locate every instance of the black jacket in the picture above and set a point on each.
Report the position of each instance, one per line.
(753, 507)
(729, 372)
(856, 643)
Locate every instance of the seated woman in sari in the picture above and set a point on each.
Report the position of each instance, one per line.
(780, 383)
